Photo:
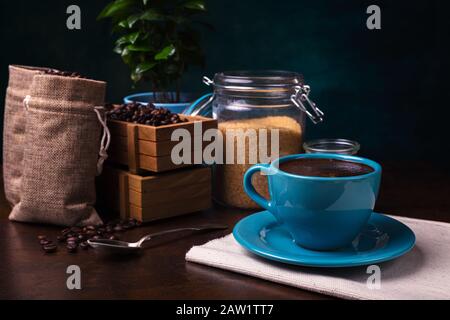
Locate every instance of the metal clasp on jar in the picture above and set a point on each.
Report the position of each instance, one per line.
(301, 97)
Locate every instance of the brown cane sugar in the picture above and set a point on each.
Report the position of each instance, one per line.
(229, 177)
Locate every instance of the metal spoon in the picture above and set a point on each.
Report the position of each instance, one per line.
(123, 246)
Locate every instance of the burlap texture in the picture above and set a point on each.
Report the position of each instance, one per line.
(61, 146)
(20, 79)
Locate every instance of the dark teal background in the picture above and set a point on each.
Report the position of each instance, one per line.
(387, 88)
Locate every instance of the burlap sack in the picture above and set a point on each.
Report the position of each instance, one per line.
(61, 147)
(20, 79)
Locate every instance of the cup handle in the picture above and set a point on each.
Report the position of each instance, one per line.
(250, 189)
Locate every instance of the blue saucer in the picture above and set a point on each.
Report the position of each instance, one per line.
(383, 239)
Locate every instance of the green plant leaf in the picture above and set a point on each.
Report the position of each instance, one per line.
(150, 15)
(116, 28)
(129, 38)
(165, 53)
(114, 8)
(125, 52)
(136, 77)
(140, 48)
(195, 5)
(123, 24)
(132, 20)
(118, 49)
(128, 59)
(144, 67)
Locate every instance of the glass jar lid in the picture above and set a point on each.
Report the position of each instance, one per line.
(269, 81)
(276, 84)
(339, 146)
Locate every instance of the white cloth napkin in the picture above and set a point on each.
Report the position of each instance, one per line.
(423, 273)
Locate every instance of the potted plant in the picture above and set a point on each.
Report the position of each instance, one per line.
(158, 40)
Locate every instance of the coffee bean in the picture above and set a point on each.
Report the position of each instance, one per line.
(42, 237)
(71, 244)
(44, 242)
(90, 233)
(72, 239)
(49, 248)
(114, 237)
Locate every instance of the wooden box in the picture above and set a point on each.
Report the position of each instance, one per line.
(152, 197)
(143, 147)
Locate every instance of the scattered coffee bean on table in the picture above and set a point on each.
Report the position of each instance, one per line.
(50, 248)
(44, 242)
(143, 114)
(76, 237)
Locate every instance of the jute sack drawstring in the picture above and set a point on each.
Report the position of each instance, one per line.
(106, 139)
(26, 101)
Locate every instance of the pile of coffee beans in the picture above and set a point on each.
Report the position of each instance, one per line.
(60, 73)
(77, 237)
(143, 114)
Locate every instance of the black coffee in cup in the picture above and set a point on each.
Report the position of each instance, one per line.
(321, 167)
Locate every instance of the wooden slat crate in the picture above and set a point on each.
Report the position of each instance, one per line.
(143, 147)
(155, 196)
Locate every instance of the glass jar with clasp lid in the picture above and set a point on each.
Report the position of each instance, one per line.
(337, 146)
(261, 116)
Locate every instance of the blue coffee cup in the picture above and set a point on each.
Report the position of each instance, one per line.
(320, 213)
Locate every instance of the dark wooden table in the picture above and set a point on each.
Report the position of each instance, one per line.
(420, 190)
